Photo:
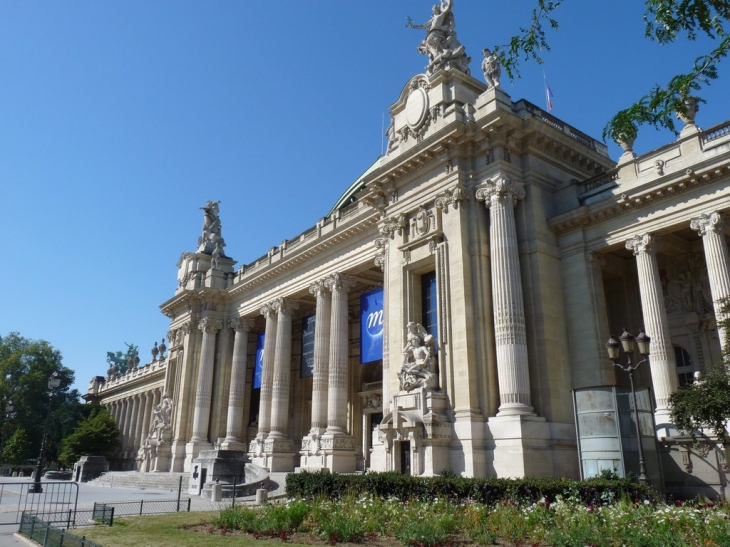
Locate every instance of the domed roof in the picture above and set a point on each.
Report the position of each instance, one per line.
(348, 196)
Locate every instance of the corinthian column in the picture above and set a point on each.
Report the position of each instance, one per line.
(236, 394)
(267, 373)
(320, 377)
(209, 327)
(662, 361)
(282, 370)
(712, 229)
(501, 196)
(339, 285)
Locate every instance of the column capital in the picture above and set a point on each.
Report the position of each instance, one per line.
(493, 191)
(340, 282)
(186, 327)
(643, 243)
(241, 324)
(318, 288)
(268, 309)
(210, 325)
(709, 222)
(284, 306)
(595, 260)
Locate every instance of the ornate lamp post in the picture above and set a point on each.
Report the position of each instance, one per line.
(53, 383)
(614, 348)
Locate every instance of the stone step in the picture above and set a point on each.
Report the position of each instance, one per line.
(136, 479)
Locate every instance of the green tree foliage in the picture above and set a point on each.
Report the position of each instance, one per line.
(706, 404)
(17, 448)
(96, 435)
(25, 366)
(666, 21)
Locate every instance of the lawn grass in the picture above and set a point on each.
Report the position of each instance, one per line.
(166, 531)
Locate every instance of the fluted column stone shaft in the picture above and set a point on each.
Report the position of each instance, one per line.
(711, 228)
(281, 384)
(320, 379)
(267, 371)
(148, 401)
(203, 394)
(139, 403)
(662, 360)
(127, 436)
(501, 196)
(236, 394)
(338, 388)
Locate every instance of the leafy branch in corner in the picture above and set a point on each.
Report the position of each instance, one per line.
(666, 22)
(530, 41)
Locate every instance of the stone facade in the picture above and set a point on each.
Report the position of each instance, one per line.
(539, 246)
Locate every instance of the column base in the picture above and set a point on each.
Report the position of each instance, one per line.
(233, 445)
(192, 449)
(530, 446)
(338, 452)
(663, 424)
(515, 409)
(280, 454)
(177, 463)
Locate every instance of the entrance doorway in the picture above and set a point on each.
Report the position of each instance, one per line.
(405, 457)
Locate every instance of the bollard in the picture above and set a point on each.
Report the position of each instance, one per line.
(216, 492)
(262, 495)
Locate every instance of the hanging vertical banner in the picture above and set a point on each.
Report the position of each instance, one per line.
(371, 326)
(306, 369)
(258, 369)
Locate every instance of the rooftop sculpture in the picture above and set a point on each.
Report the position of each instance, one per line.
(211, 242)
(444, 50)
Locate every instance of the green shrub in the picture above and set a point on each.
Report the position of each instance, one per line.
(484, 490)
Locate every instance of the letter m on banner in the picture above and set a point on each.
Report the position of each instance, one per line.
(371, 326)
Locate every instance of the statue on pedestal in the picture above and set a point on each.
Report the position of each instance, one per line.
(161, 415)
(211, 240)
(441, 45)
(417, 369)
(490, 67)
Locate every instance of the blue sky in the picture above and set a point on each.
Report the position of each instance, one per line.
(118, 120)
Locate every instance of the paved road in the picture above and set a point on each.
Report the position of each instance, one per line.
(87, 495)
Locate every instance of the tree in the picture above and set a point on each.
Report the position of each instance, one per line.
(17, 448)
(96, 435)
(25, 366)
(666, 22)
(706, 404)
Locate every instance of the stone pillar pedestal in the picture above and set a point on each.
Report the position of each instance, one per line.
(663, 364)
(501, 196)
(337, 445)
(278, 446)
(311, 456)
(256, 447)
(712, 229)
(201, 416)
(236, 394)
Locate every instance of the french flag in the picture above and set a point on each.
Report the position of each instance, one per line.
(548, 98)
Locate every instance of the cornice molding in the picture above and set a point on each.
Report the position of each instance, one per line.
(634, 200)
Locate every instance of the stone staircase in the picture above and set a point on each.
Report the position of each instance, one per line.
(149, 481)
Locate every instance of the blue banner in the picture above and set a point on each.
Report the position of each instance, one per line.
(306, 368)
(371, 326)
(258, 369)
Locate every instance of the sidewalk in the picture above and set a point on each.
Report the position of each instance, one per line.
(88, 495)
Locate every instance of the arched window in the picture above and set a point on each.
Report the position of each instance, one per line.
(685, 370)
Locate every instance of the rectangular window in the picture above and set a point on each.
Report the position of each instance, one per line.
(429, 307)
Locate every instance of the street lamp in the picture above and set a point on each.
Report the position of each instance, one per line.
(614, 350)
(53, 382)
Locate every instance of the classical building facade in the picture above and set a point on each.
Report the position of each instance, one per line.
(447, 310)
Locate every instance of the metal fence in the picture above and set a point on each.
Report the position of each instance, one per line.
(50, 536)
(144, 507)
(55, 497)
